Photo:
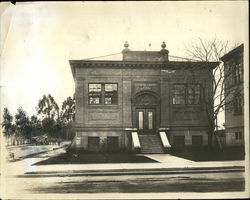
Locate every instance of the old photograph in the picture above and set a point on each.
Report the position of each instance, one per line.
(124, 100)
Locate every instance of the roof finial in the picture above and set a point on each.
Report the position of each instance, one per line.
(163, 45)
(126, 45)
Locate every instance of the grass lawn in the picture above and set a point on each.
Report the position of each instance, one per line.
(91, 158)
(227, 154)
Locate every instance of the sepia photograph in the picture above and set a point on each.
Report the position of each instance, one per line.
(124, 100)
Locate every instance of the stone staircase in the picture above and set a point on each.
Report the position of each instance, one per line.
(150, 144)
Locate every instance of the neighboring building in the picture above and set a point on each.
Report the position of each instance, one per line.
(127, 103)
(234, 108)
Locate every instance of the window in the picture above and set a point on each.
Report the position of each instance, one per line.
(179, 94)
(238, 135)
(103, 93)
(238, 105)
(150, 120)
(238, 72)
(93, 143)
(186, 94)
(197, 140)
(193, 94)
(111, 93)
(140, 120)
(179, 141)
(112, 143)
(95, 94)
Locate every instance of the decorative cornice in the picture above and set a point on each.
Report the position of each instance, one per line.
(139, 64)
(117, 64)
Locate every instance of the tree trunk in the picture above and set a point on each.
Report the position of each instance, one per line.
(210, 139)
(210, 136)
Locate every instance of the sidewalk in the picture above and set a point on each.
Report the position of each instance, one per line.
(166, 164)
(28, 150)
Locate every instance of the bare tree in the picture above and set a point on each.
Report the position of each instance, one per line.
(215, 100)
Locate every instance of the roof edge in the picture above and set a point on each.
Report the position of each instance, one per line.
(233, 51)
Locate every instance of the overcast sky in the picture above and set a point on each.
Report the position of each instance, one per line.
(42, 37)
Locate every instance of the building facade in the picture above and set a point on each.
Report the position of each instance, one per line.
(234, 108)
(138, 100)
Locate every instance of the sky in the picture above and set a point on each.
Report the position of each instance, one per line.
(38, 39)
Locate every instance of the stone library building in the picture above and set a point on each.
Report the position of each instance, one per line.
(143, 102)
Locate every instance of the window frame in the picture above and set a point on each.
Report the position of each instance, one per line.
(237, 71)
(186, 93)
(101, 97)
(179, 84)
(238, 105)
(102, 101)
(194, 95)
(107, 92)
(238, 135)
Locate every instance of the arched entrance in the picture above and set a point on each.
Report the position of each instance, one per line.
(146, 108)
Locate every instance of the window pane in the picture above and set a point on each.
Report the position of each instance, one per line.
(110, 87)
(94, 100)
(238, 105)
(95, 93)
(179, 94)
(94, 87)
(193, 94)
(108, 100)
(111, 93)
(140, 120)
(150, 120)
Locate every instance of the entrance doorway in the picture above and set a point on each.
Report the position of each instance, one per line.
(146, 120)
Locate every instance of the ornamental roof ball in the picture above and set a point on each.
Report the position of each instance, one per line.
(126, 45)
(163, 45)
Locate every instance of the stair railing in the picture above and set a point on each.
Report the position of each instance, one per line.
(165, 141)
(136, 146)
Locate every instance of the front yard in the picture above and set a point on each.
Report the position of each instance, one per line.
(206, 154)
(91, 158)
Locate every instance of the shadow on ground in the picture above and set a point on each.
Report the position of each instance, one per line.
(206, 154)
(146, 185)
(91, 158)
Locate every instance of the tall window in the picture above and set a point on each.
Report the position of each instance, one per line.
(103, 93)
(179, 94)
(110, 93)
(186, 94)
(95, 93)
(193, 94)
(238, 105)
(238, 72)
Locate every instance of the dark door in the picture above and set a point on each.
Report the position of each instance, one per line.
(145, 119)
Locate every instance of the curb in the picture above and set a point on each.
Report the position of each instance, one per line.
(121, 172)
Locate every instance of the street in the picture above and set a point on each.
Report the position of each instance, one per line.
(211, 182)
(162, 176)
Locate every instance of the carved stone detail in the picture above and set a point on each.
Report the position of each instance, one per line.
(146, 99)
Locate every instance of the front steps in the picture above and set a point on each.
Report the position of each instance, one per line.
(150, 144)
